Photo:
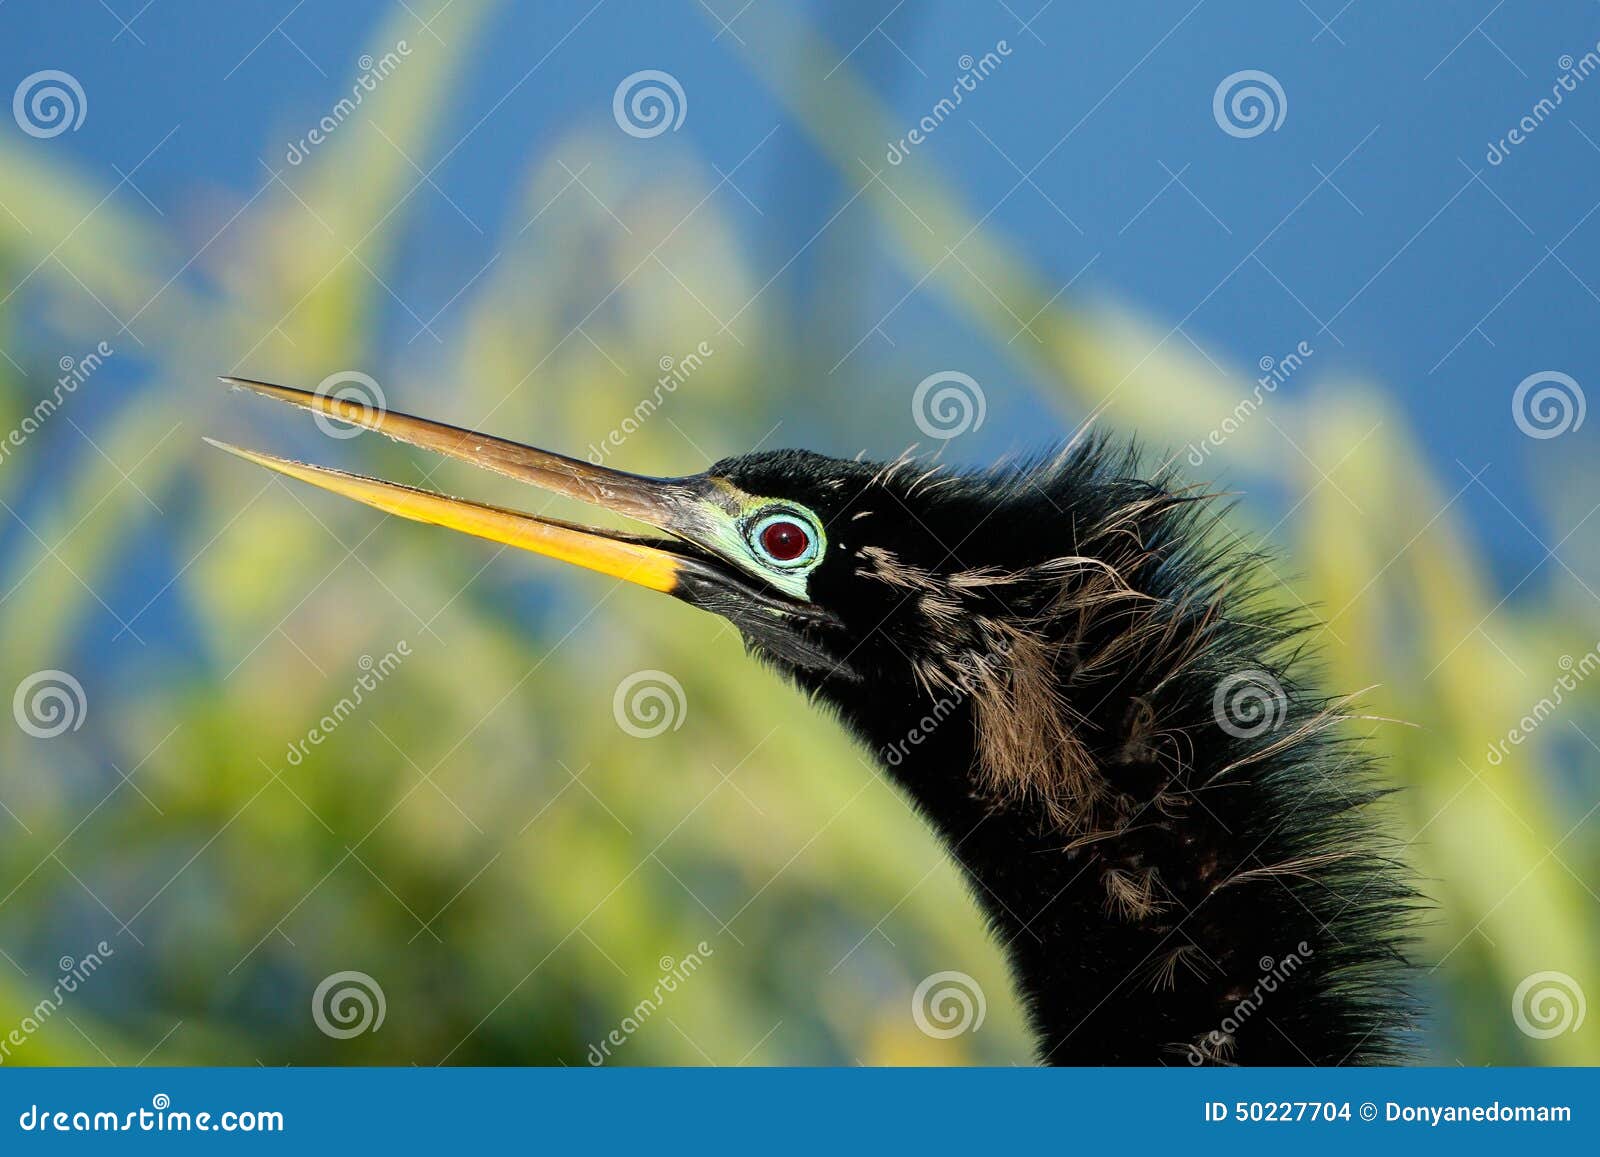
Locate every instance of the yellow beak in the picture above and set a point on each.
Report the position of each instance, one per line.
(665, 503)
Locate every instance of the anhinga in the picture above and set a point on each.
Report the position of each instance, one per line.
(1078, 684)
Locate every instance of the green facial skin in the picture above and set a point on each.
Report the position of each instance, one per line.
(730, 535)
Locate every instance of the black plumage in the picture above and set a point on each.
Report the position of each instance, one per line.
(1151, 890)
(1086, 686)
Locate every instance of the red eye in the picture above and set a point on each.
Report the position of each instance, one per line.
(785, 541)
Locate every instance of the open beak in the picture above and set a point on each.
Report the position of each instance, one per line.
(683, 508)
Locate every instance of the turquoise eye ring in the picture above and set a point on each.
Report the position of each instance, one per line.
(785, 539)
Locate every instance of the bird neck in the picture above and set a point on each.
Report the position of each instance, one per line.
(1193, 899)
(1097, 704)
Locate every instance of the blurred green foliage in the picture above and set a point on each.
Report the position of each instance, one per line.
(480, 836)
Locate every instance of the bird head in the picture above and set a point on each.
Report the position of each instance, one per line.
(984, 601)
(837, 570)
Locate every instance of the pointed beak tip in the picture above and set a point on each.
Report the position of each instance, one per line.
(267, 389)
(239, 451)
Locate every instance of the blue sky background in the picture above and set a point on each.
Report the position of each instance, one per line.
(1418, 264)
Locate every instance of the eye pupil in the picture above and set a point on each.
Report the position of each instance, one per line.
(785, 540)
